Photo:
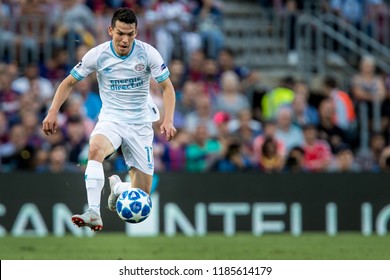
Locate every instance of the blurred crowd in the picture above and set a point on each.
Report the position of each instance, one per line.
(228, 118)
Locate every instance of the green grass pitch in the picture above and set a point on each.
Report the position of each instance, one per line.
(114, 246)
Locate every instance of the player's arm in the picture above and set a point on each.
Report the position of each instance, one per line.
(49, 124)
(169, 109)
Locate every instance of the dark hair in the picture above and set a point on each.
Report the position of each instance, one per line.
(341, 148)
(298, 149)
(268, 142)
(330, 82)
(125, 15)
(288, 81)
(227, 50)
(233, 149)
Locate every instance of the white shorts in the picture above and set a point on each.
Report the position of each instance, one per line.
(136, 141)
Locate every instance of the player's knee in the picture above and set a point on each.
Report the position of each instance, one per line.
(96, 152)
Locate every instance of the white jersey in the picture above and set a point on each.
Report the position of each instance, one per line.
(124, 81)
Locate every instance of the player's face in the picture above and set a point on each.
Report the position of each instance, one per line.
(123, 35)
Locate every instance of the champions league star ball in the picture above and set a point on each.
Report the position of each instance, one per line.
(133, 205)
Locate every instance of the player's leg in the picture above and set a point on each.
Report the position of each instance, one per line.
(141, 180)
(99, 148)
(103, 142)
(137, 150)
(137, 141)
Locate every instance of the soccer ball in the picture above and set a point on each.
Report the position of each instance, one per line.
(133, 205)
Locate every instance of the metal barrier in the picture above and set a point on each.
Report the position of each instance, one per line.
(31, 39)
(24, 39)
(260, 37)
(316, 37)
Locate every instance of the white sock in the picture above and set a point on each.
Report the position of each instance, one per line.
(121, 187)
(94, 182)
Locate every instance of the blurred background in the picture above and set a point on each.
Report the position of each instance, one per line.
(264, 88)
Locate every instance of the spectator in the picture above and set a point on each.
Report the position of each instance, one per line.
(385, 110)
(41, 159)
(233, 160)
(302, 88)
(194, 69)
(295, 161)
(74, 108)
(203, 114)
(7, 38)
(177, 69)
(327, 130)
(81, 50)
(269, 131)
(9, 98)
(277, 97)
(350, 10)
(345, 116)
(33, 82)
(91, 101)
(230, 100)
(170, 21)
(58, 161)
(245, 129)
(56, 139)
(344, 160)
(4, 129)
(74, 22)
(17, 154)
(286, 131)
(221, 120)
(317, 152)
(159, 145)
(57, 67)
(27, 102)
(226, 62)
(186, 100)
(208, 18)
(384, 160)
(211, 82)
(203, 151)
(303, 112)
(75, 137)
(174, 157)
(270, 160)
(369, 160)
(248, 79)
(31, 125)
(368, 89)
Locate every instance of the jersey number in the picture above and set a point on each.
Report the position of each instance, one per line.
(149, 153)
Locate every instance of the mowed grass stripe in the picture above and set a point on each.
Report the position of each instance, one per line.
(108, 246)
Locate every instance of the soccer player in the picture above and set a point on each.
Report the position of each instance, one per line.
(124, 67)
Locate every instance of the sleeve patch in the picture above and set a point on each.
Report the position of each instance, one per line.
(76, 75)
(163, 77)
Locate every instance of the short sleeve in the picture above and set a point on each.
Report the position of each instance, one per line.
(85, 66)
(157, 66)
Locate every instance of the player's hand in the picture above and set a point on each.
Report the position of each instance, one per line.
(49, 124)
(169, 130)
